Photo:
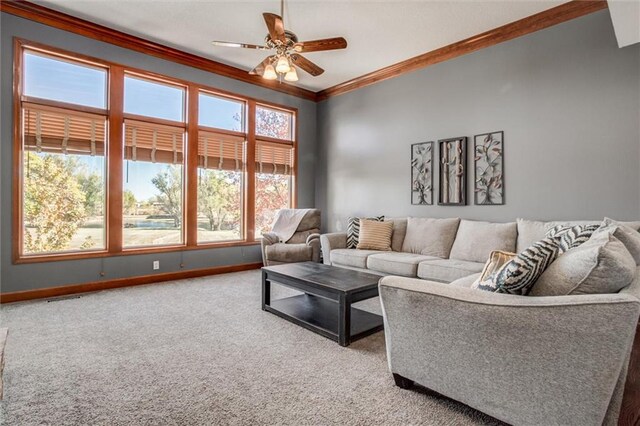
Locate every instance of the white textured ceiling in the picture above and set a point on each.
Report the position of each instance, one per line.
(379, 33)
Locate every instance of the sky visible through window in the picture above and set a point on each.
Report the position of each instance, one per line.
(58, 80)
(62, 81)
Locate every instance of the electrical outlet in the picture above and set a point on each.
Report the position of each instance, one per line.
(156, 265)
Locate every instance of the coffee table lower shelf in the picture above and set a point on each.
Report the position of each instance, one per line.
(321, 316)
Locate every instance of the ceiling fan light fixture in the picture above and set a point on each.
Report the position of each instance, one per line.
(269, 73)
(283, 66)
(292, 75)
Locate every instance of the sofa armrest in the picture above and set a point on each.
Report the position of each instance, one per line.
(330, 242)
(524, 360)
(269, 238)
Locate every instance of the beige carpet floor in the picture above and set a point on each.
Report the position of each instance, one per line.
(194, 352)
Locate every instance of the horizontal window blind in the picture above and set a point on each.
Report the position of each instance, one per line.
(63, 131)
(220, 151)
(154, 143)
(274, 158)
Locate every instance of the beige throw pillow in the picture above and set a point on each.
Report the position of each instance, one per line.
(601, 265)
(627, 236)
(496, 260)
(375, 235)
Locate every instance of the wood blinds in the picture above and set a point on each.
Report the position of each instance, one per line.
(274, 158)
(220, 151)
(155, 143)
(63, 131)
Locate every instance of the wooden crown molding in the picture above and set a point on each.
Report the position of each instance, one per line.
(556, 15)
(43, 293)
(539, 21)
(52, 18)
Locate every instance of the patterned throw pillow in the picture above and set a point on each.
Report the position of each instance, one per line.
(572, 236)
(353, 230)
(496, 260)
(375, 235)
(520, 274)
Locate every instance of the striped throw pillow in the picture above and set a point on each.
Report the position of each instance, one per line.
(375, 235)
(353, 230)
(572, 236)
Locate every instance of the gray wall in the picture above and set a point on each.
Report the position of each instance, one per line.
(31, 276)
(566, 97)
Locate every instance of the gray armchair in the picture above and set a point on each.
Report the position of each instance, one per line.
(303, 246)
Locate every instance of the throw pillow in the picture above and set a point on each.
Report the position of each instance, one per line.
(572, 236)
(627, 236)
(496, 260)
(431, 237)
(353, 230)
(520, 274)
(633, 225)
(601, 265)
(375, 235)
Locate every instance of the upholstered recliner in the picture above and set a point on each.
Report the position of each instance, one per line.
(303, 246)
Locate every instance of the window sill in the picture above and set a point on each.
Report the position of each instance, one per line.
(58, 257)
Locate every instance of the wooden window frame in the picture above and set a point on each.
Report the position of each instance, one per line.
(114, 158)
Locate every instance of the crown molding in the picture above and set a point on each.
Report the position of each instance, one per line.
(52, 18)
(539, 21)
(545, 19)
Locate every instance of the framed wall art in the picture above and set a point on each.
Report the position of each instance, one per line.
(452, 187)
(488, 165)
(422, 173)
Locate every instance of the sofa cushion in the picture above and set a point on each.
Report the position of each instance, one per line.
(399, 232)
(405, 264)
(447, 270)
(530, 231)
(476, 240)
(627, 236)
(601, 265)
(431, 237)
(353, 230)
(288, 253)
(375, 235)
(467, 281)
(351, 257)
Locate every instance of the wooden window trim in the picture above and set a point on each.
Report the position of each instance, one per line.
(115, 159)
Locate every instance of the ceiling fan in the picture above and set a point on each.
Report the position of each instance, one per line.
(287, 48)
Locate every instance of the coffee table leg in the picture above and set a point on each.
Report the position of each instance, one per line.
(266, 290)
(344, 323)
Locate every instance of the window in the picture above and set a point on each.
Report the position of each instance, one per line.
(63, 156)
(112, 160)
(220, 168)
(153, 182)
(274, 165)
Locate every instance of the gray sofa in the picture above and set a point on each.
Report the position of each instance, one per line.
(303, 246)
(526, 360)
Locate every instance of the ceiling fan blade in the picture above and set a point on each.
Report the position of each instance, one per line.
(275, 26)
(319, 45)
(244, 45)
(259, 69)
(306, 65)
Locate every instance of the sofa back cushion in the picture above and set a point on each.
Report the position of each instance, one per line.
(531, 231)
(601, 265)
(476, 240)
(431, 237)
(399, 232)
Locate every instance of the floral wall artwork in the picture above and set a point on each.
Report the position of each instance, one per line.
(422, 173)
(489, 168)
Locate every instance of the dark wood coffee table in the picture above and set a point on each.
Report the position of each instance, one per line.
(325, 308)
